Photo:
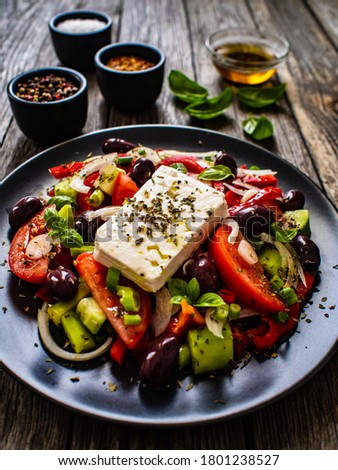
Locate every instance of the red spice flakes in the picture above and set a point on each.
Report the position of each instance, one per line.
(129, 63)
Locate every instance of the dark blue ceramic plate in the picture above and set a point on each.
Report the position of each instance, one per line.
(87, 388)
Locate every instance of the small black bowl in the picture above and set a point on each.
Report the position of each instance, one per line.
(130, 90)
(77, 49)
(53, 121)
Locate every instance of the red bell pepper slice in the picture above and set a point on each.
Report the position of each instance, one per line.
(261, 181)
(192, 164)
(265, 195)
(94, 274)
(219, 186)
(232, 198)
(247, 281)
(65, 170)
(28, 269)
(83, 198)
(118, 351)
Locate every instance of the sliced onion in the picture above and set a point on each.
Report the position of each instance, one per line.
(246, 251)
(249, 194)
(233, 224)
(145, 152)
(95, 164)
(243, 171)
(186, 266)
(163, 311)
(239, 192)
(213, 325)
(245, 185)
(49, 343)
(39, 246)
(297, 263)
(248, 312)
(104, 212)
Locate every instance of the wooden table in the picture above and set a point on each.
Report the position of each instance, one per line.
(305, 135)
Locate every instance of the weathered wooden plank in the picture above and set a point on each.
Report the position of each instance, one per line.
(326, 13)
(29, 421)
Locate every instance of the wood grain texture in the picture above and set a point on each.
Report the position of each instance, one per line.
(305, 135)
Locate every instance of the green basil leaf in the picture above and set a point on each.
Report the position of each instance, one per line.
(60, 201)
(177, 287)
(179, 167)
(259, 97)
(215, 173)
(184, 88)
(177, 299)
(283, 235)
(209, 300)
(54, 221)
(258, 128)
(193, 289)
(210, 108)
(71, 239)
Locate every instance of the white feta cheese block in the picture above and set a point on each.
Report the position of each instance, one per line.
(158, 229)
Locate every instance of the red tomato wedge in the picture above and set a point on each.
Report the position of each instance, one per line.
(94, 275)
(124, 187)
(247, 281)
(27, 269)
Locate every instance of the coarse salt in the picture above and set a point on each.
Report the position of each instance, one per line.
(81, 25)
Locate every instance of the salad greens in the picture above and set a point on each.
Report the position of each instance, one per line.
(258, 128)
(259, 97)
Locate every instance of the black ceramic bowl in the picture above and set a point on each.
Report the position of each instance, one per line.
(77, 49)
(130, 90)
(53, 121)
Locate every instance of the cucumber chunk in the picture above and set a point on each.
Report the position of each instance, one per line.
(271, 261)
(78, 335)
(66, 211)
(299, 219)
(209, 352)
(91, 314)
(58, 309)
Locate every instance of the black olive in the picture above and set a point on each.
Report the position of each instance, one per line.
(204, 270)
(142, 171)
(23, 210)
(160, 362)
(292, 200)
(308, 253)
(223, 158)
(254, 220)
(117, 145)
(61, 283)
(87, 228)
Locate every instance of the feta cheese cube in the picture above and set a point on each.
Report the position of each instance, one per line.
(158, 229)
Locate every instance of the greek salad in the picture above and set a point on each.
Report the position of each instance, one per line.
(179, 262)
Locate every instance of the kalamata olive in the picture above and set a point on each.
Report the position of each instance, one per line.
(308, 253)
(61, 283)
(23, 210)
(87, 228)
(253, 220)
(160, 362)
(292, 200)
(204, 270)
(222, 158)
(117, 145)
(142, 171)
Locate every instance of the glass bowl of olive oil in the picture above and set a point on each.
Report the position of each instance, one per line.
(247, 56)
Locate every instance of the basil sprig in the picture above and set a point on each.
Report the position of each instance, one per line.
(184, 88)
(258, 128)
(215, 173)
(190, 292)
(212, 107)
(259, 97)
(68, 237)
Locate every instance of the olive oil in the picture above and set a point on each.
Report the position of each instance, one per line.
(245, 63)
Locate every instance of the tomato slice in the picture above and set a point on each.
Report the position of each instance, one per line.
(247, 281)
(94, 274)
(124, 187)
(27, 269)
